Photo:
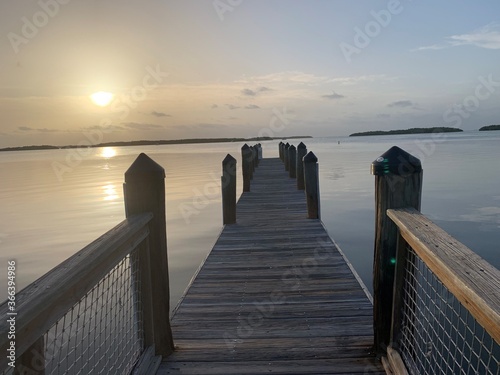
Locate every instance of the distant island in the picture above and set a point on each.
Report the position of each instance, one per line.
(149, 143)
(490, 127)
(408, 131)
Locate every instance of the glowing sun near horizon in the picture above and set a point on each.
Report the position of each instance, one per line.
(102, 98)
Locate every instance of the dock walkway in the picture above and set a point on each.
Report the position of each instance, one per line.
(274, 295)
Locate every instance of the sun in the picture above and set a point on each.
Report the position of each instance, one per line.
(102, 98)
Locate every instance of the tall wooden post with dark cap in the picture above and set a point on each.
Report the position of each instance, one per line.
(246, 155)
(311, 179)
(285, 156)
(398, 183)
(280, 150)
(301, 152)
(228, 185)
(292, 166)
(144, 190)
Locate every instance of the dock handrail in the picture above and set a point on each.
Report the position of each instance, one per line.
(45, 303)
(97, 310)
(446, 299)
(436, 302)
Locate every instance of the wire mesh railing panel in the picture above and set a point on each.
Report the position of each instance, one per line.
(102, 333)
(439, 335)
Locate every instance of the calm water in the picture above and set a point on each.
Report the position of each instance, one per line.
(46, 219)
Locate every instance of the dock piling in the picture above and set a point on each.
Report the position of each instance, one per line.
(246, 155)
(228, 185)
(301, 152)
(398, 183)
(144, 191)
(311, 179)
(285, 156)
(292, 163)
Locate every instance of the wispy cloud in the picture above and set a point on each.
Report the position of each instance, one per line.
(36, 130)
(214, 106)
(487, 37)
(401, 104)
(250, 92)
(333, 96)
(232, 106)
(252, 106)
(141, 126)
(159, 114)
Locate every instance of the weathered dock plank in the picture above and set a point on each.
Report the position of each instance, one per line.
(274, 295)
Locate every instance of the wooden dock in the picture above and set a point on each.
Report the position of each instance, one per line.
(274, 295)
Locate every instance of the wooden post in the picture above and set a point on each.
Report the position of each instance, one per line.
(144, 190)
(398, 183)
(301, 152)
(285, 156)
(260, 151)
(292, 156)
(280, 150)
(311, 179)
(228, 184)
(246, 155)
(256, 155)
(251, 156)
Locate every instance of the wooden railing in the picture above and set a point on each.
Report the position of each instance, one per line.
(101, 298)
(436, 302)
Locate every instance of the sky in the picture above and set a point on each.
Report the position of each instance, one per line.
(243, 68)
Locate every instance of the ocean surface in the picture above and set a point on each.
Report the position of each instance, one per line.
(53, 203)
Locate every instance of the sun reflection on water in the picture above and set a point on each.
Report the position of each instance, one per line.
(109, 192)
(108, 152)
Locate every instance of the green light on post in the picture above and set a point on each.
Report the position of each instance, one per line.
(393, 260)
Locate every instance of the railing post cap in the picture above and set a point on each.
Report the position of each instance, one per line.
(301, 145)
(287, 145)
(310, 158)
(244, 147)
(228, 159)
(142, 165)
(280, 143)
(292, 147)
(396, 161)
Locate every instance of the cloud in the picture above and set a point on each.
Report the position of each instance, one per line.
(37, 130)
(483, 215)
(139, 126)
(214, 106)
(487, 37)
(231, 106)
(333, 96)
(383, 115)
(249, 92)
(302, 78)
(252, 106)
(159, 114)
(401, 104)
